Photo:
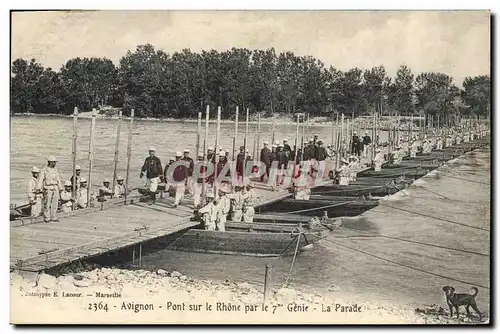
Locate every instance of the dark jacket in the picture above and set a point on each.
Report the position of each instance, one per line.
(180, 172)
(191, 165)
(152, 167)
(367, 140)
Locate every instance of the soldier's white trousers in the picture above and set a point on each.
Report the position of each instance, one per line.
(51, 198)
(221, 222)
(180, 189)
(236, 215)
(248, 214)
(197, 187)
(36, 208)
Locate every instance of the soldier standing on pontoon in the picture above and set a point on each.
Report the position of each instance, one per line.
(67, 197)
(82, 194)
(50, 182)
(248, 204)
(152, 169)
(35, 197)
(378, 160)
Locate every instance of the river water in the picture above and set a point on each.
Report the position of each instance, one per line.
(359, 276)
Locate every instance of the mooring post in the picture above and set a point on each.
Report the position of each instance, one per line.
(140, 255)
(217, 143)
(246, 135)
(129, 153)
(235, 131)
(205, 158)
(75, 135)
(133, 255)
(91, 153)
(267, 282)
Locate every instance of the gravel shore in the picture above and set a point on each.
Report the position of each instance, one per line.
(174, 286)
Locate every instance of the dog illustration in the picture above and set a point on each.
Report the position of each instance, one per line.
(454, 300)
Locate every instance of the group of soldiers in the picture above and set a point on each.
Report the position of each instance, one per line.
(47, 193)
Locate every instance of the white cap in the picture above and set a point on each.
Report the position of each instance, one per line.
(105, 180)
(211, 148)
(285, 140)
(266, 142)
(83, 180)
(171, 159)
(51, 158)
(344, 161)
(119, 178)
(35, 170)
(316, 135)
(220, 148)
(186, 150)
(222, 154)
(200, 155)
(277, 142)
(77, 167)
(280, 145)
(311, 139)
(249, 155)
(67, 184)
(152, 148)
(178, 154)
(273, 146)
(246, 151)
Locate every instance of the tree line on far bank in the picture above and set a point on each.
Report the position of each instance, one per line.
(179, 85)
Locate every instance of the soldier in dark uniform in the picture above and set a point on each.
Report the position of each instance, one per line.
(152, 169)
(240, 162)
(321, 153)
(355, 144)
(265, 158)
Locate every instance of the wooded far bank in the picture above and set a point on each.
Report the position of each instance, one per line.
(179, 85)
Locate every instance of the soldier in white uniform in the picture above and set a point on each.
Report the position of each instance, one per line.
(82, 194)
(35, 197)
(66, 197)
(105, 191)
(343, 173)
(50, 182)
(223, 206)
(119, 188)
(378, 160)
(248, 204)
(236, 204)
(209, 214)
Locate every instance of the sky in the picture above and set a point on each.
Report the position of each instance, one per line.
(452, 42)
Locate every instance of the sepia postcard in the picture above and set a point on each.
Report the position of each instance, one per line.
(250, 167)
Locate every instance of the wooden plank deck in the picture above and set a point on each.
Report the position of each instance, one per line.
(36, 245)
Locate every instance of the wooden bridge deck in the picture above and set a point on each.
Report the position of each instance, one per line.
(36, 245)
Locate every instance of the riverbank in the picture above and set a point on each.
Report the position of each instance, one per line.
(139, 296)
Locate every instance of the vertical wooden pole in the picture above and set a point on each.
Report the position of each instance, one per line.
(235, 131)
(273, 133)
(75, 136)
(267, 282)
(117, 148)
(91, 154)
(205, 158)
(129, 153)
(341, 137)
(246, 134)
(303, 139)
(198, 135)
(258, 138)
(297, 136)
(217, 141)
